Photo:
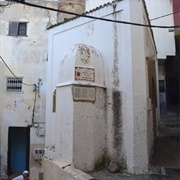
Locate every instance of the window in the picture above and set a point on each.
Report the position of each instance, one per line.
(14, 84)
(54, 101)
(17, 28)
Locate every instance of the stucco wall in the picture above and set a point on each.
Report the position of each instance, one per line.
(87, 34)
(64, 125)
(89, 133)
(125, 73)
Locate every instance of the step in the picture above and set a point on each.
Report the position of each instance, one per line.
(157, 170)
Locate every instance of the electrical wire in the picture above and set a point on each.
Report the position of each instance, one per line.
(14, 74)
(33, 112)
(1, 5)
(165, 15)
(35, 88)
(93, 17)
(4, 6)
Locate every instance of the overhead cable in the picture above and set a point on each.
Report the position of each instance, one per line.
(14, 74)
(165, 15)
(94, 17)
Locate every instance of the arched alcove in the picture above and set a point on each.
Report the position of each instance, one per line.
(81, 110)
(82, 64)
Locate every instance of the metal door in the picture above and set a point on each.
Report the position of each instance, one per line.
(18, 154)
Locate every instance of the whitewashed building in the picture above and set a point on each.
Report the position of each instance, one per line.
(102, 101)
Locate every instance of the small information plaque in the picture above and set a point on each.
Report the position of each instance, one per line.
(85, 94)
(84, 74)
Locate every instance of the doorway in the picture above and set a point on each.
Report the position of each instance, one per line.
(18, 149)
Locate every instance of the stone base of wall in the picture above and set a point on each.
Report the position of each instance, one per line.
(62, 171)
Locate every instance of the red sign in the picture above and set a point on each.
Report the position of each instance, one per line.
(176, 8)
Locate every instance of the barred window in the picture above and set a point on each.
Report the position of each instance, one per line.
(14, 84)
(17, 28)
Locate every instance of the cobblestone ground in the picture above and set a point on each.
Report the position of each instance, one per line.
(105, 175)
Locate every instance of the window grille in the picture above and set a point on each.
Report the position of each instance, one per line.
(17, 28)
(14, 84)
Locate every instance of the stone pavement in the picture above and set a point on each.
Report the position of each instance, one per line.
(167, 145)
(105, 175)
(165, 164)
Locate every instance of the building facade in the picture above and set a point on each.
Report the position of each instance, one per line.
(167, 41)
(23, 47)
(102, 92)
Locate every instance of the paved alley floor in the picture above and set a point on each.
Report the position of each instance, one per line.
(167, 145)
(165, 160)
(105, 175)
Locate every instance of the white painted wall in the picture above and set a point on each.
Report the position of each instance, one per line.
(125, 73)
(164, 39)
(83, 33)
(92, 4)
(89, 133)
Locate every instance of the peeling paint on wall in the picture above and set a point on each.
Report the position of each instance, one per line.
(26, 57)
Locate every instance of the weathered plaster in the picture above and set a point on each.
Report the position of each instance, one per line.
(128, 140)
(26, 57)
(75, 6)
(35, 165)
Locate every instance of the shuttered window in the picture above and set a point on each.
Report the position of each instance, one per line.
(17, 28)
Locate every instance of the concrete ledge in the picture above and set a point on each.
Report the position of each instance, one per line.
(56, 170)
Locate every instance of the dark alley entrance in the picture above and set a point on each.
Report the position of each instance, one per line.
(167, 146)
(18, 149)
(167, 142)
